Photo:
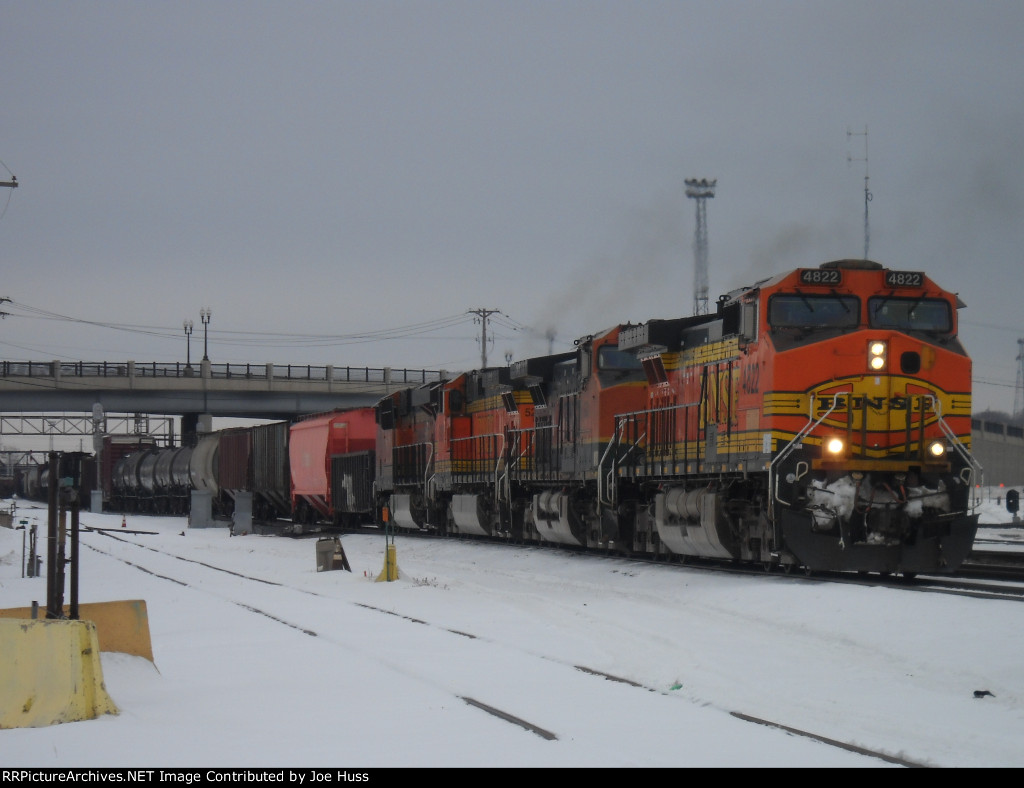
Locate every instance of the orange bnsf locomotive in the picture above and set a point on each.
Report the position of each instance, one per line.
(819, 419)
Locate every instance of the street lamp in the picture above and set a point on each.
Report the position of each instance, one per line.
(187, 325)
(204, 315)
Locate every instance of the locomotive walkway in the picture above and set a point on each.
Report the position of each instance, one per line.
(261, 391)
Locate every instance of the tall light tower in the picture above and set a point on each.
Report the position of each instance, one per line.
(700, 190)
(867, 192)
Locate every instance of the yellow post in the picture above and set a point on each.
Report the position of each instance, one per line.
(390, 570)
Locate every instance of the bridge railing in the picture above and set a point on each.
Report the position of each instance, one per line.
(156, 369)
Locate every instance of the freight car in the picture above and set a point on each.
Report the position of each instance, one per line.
(818, 419)
(271, 475)
(317, 472)
(329, 457)
(75, 470)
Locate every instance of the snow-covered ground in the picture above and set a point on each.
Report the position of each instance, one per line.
(332, 669)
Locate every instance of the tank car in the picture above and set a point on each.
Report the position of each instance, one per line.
(202, 466)
(171, 480)
(132, 481)
(151, 480)
(75, 470)
(116, 448)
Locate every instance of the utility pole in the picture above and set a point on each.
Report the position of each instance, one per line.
(11, 184)
(482, 316)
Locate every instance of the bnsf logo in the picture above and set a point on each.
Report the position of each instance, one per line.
(877, 404)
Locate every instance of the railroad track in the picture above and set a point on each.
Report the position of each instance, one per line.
(994, 565)
(982, 564)
(311, 613)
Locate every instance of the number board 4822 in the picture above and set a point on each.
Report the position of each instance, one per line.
(829, 277)
(904, 279)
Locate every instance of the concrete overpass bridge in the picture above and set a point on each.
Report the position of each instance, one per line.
(258, 391)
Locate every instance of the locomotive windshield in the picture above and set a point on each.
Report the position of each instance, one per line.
(610, 357)
(617, 366)
(910, 314)
(800, 310)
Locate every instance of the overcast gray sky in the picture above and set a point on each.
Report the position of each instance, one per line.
(313, 171)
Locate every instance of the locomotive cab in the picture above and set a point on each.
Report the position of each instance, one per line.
(870, 417)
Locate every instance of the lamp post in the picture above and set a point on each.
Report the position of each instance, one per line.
(204, 315)
(187, 325)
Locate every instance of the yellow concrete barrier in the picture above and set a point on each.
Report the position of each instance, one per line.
(51, 673)
(122, 626)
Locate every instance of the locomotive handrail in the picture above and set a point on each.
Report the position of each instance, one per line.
(611, 442)
(662, 409)
(497, 468)
(520, 453)
(773, 478)
(535, 431)
(499, 439)
(960, 449)
(613, 477)
(428, 476)
(518, 441)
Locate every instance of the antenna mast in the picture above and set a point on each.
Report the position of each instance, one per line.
(1018, 394)
(700, 190)
(867, 192)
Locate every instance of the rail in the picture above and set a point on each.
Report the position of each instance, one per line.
(156, 369)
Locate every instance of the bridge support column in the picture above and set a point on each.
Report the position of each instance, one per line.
(193, 424)
(189, 422)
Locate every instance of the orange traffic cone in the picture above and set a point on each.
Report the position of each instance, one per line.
(123, 523)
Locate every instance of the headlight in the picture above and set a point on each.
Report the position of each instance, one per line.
(834, 445)
(936, 449)
(876, 355)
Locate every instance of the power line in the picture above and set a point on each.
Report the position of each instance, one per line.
(253, 337)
